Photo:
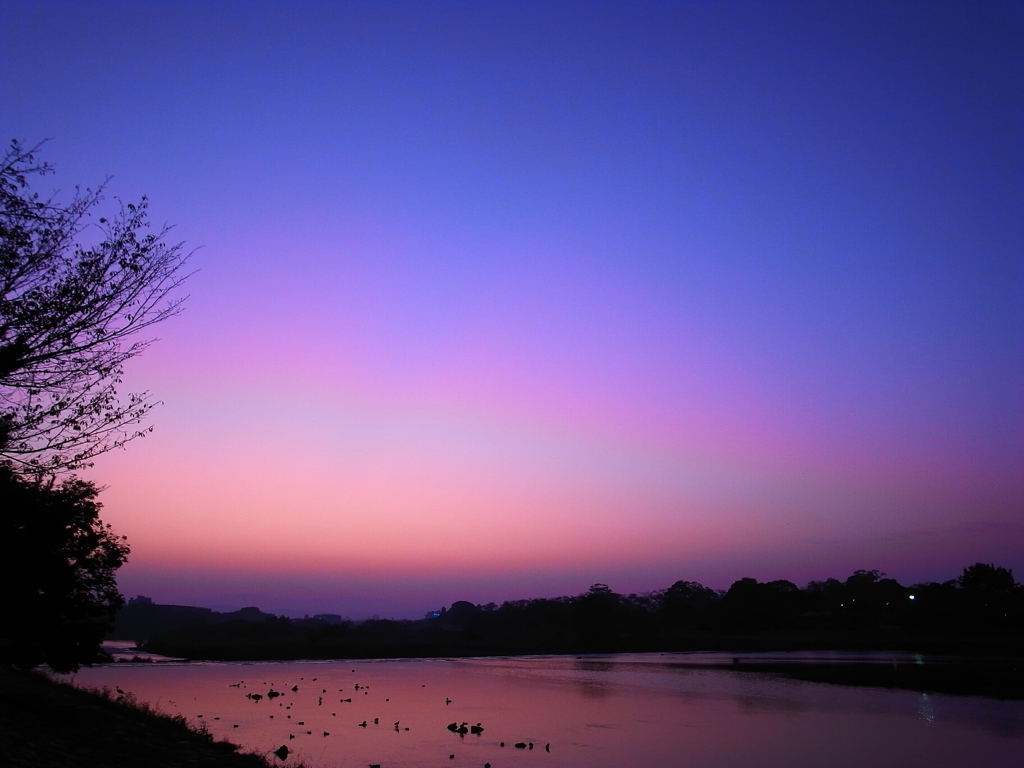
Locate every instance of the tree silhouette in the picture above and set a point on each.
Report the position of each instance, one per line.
(69, 311)
(986, 578)
(683, 601)
(595, 615)
(990, 592)
(58, 573)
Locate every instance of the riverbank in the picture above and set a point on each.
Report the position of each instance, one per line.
(996, 678)
(383, 639)
(45, 723)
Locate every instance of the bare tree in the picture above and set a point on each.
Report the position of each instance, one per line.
(71, 310)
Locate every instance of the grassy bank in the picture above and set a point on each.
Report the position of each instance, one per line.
(44, 723)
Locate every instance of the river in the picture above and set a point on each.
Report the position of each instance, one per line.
(577, 712)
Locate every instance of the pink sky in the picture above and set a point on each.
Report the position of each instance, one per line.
(501, 300)
(313, 456)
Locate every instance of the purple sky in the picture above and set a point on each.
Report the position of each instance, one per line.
(498, 300)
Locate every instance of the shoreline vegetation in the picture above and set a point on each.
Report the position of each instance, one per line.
(975, 623)
(46, 722)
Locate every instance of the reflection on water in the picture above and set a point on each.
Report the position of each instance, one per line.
(594, 712)
(925, 708)
(125, 651)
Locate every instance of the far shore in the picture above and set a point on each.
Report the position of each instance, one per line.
(981, 673)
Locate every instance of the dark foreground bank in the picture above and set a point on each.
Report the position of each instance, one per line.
(43, 723)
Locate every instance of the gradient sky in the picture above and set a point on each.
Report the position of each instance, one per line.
(497, 300)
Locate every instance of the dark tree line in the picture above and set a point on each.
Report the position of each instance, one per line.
(983, 608)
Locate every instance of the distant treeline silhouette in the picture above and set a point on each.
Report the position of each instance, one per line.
(982, 611)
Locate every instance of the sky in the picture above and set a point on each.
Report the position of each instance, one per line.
(499, 300)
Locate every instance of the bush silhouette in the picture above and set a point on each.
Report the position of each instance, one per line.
(58, 573)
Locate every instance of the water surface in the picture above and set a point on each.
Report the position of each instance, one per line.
(624, 710)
